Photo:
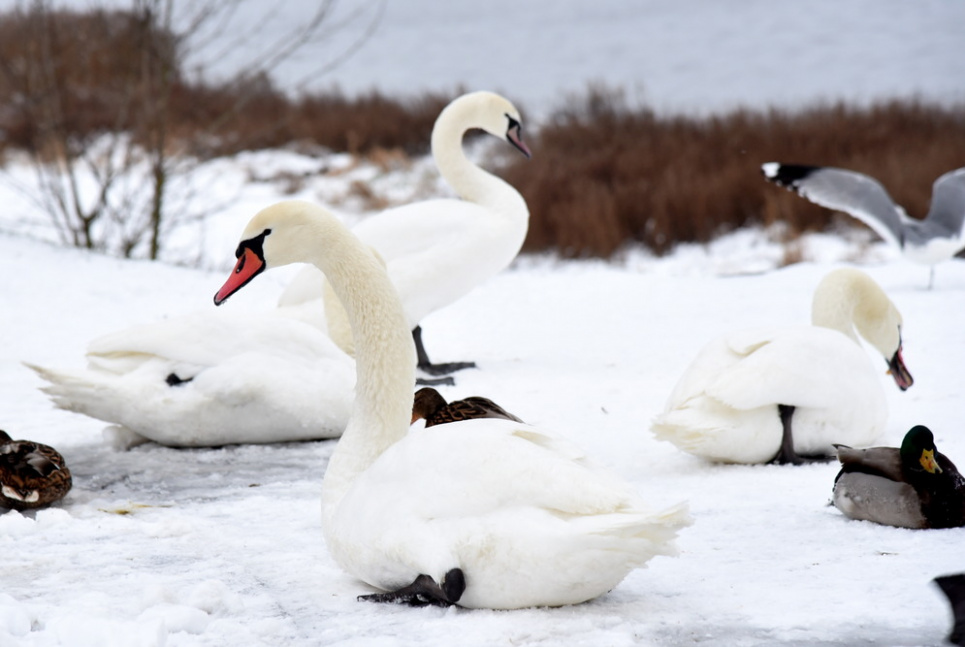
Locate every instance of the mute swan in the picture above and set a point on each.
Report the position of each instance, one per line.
(494, 513)
(438, 250)
(433, 408)
(937, 238)
(913, 487)
(208, 379)
(780, 393)
(32, 475)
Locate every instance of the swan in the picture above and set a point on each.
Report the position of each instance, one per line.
(209, 379)
(429, 405)
(936, 238)
(484, 513)
(914, 486)
(781, 393)
(438, 250)
(32, 475)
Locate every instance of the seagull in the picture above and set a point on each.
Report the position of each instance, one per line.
(936, 238)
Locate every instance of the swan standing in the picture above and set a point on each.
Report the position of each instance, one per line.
(494, 513)
(936, 238)
(781, 393)
(436, 251)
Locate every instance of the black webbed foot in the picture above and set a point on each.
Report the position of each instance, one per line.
(435, 381)
(424, 591)
(953, 586)
(445, 368)
(174, 380)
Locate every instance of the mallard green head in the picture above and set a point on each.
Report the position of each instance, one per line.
(918, 450)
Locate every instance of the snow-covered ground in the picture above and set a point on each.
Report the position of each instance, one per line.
(158, 546)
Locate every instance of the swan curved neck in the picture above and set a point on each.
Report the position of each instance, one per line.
(850, 302)
(468, 180)
(384, 357)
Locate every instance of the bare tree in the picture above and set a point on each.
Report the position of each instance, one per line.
(95, 95)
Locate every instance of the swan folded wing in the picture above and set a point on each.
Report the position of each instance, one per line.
(801, 366)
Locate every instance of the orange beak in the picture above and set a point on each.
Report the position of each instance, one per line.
(249, 265)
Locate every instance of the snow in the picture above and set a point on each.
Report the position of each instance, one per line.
(163, 547)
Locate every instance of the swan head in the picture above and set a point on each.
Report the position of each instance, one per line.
(490, 112)
(276, 236)
(847, 299)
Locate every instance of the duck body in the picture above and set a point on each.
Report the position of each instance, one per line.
(433, 408)
(482, 513)
(32, 475)
(914, 486)
(210, 379)
(787, 393)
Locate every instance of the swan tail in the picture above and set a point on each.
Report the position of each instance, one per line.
(642, 535)
(77, 391)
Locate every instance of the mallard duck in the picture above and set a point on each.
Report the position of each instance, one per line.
(32, 475)
(431, 406)
(953, 586)
(912, 487)
(785, 394)
(484, 513)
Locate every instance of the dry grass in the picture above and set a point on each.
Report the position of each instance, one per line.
(604, 175)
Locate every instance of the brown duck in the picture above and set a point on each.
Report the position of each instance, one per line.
(429, 404)
(32, 475)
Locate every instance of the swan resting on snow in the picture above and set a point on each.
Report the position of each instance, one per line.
(436, 251)
(209, 379)
(489, 512)
(936, 238)
(783, 393)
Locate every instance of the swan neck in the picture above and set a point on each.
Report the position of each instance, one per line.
(469, 181)
(384, 358)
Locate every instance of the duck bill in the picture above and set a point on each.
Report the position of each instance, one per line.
(249, 265)
(898, 371)
(929, 463)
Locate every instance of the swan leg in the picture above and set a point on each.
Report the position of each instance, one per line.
(424, 591)
(786, 454)
(425, 364)
(953, 586)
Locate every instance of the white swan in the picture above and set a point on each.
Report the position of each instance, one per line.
(781, 393)
(438, 250)
(484, 513)
(208, 379)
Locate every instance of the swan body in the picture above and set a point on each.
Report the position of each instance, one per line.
(747, 390)
(436, 251)
(914, 486)
(936, 238)
(32, 475)
(209, 379)
(483, 513)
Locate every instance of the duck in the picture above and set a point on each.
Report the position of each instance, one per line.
(482, 513)
(932, 240)
(207, 379)
(429, 405)
(785, 394)
(438, 250)
(32, 475)
(914, 486)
